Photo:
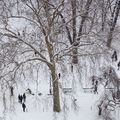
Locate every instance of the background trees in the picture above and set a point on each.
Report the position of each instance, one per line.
(50, 32)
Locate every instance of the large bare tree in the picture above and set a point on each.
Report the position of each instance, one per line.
(35, 35)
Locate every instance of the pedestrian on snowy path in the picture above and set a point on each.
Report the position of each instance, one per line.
(24, 107)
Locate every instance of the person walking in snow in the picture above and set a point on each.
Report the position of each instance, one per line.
(24, 97)
(100, 110)
(59, 75)
(72, 68)
(95, 89)
(93, 80)
(11, 91)
(118, 65)
(24, 107)
(96, 83)
(29, 91)
(20, 98)
(114, 56)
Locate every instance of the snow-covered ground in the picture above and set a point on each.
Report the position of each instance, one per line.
(83, 108)
(75, 105)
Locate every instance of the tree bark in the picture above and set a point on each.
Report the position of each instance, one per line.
(56, 97)
(87, 6)
(52, 67)
(113, 23)
(76, 41)
(75, 51)
(104, 14)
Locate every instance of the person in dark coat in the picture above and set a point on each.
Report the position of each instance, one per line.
(95, 89)
(114, 56)
(59, 75)
(105, 75)
(11, 90)
(24, 97)
(71, 68)
(114, 96)
(96, 83)
(20, 98)
(24, 107)
(29, 90)
(93, 80)
(118, 65)
(100, 111)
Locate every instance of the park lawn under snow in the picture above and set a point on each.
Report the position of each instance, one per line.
(40, 107)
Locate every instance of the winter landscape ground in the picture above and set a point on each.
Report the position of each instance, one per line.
(76, 104)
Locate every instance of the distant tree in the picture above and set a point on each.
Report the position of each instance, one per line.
(74, 35)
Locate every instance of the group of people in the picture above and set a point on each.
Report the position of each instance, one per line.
(22, 100)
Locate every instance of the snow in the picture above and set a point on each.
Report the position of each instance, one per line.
(40, 107)
(86, 110)
(76, 104)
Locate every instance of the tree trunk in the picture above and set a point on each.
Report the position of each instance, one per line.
(75, 55)
(104, 13)
(76, 41)
(85, 15)
(74, 52)
(56, 97)
(113, 23)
